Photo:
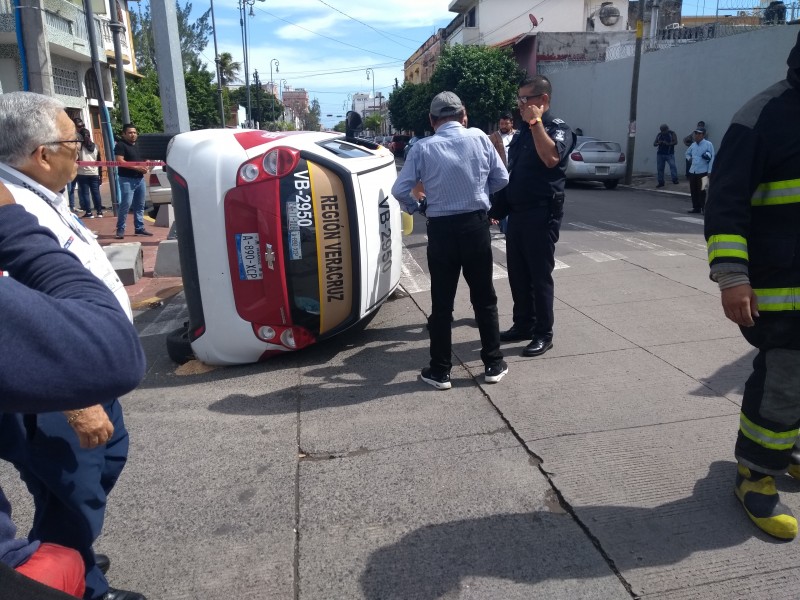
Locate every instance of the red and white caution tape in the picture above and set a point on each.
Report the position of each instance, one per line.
(116, 163)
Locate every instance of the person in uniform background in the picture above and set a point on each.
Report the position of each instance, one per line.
(458, 168)
(537, 158)
(701, 156)
(752, 225)
(69, 462)
(689, 140)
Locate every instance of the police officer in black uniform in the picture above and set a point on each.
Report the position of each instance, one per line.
(534, 199)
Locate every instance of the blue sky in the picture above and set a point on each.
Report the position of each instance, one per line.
(326, 46)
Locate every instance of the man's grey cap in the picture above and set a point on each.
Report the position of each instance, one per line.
(446, 104)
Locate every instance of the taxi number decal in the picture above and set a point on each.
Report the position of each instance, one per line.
(247, 250)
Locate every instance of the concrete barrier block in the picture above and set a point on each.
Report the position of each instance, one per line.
(127, 260)
(168, 263)
(165, 216)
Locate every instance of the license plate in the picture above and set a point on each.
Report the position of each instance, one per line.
(249, 255)
(601, 170)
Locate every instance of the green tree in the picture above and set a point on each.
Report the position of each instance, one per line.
(201, 98)
(144, 104)
(310, 119)
(486, 80)
(341, 126)
(193, 34)
(373, 122)
(409, 105)
(228, 69)
(264, 107)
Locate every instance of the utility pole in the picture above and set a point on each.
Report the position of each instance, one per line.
(118, 29)
(258, 105)
(637, 59)
(172, 86)
(219, 73)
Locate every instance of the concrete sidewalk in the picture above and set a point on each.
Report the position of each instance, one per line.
(149, 290)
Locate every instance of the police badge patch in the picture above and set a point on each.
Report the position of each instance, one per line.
(559, 137)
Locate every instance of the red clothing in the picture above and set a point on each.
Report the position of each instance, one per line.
(57, 567)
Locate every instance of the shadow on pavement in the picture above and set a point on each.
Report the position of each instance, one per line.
(431, 562)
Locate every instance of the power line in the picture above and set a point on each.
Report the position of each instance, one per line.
(329, 38)
(371, 27)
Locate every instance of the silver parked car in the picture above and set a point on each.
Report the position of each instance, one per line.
(596, 160)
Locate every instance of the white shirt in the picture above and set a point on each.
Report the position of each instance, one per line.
(506, 137)
(53, 213)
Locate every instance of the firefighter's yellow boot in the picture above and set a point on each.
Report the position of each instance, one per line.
(758, 495)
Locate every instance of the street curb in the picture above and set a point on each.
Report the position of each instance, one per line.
(655, 191)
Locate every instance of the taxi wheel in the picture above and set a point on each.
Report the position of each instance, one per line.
(178, 346)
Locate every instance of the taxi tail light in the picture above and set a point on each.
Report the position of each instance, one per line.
(577, 156)
(292, 338)
(621, 157)
(154, 179)
(276, 163)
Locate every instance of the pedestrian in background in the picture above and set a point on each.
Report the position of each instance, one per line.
(701, 156)
(537, 159)
(72, 185)
(89, 178)
(131, 182)
(752, 224)
(500, 140)
(665, 154)
(69, 462)
(458, 168)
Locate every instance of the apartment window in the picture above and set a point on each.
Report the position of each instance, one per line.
(66, 82)
(470, 19)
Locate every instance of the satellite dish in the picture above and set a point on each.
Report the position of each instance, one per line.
(534, 21)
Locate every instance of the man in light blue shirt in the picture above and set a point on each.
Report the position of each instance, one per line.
(701, 157)
(458, 168)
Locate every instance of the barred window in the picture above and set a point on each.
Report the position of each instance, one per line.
(66, 82)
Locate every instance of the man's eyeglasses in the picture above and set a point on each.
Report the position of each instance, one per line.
(78, 140)
(74, 141)
(524, 99)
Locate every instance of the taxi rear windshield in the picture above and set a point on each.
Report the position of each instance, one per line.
(345, 149)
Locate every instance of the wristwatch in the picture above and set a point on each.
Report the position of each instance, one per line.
(535, 121)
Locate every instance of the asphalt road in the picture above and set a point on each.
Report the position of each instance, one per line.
(600, 470)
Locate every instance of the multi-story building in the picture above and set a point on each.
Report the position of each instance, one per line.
(45, 48)
(295, 102)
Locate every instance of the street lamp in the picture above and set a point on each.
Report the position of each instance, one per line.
(272, 87)
(373, 89)
(246, 50)
(281, 84)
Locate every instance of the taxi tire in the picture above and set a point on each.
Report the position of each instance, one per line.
(611, 184)
(179, 347)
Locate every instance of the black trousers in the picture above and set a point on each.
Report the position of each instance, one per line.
(530, 246)
(771, 404)
(461, 243)
(697, 191)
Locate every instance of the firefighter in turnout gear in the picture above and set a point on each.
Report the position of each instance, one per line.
(752, 226)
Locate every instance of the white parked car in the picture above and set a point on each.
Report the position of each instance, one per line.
(596, 160)
(285, 239)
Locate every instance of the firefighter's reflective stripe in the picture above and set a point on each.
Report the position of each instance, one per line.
(775, 299)
(774, 440)
(777, 192)
(727, 246)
